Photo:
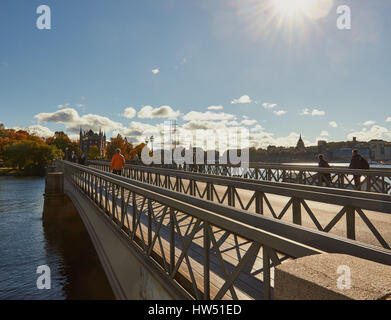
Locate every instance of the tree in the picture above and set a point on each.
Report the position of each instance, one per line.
(62, 142)
(93, 153)
(31, 156)
(123, 144)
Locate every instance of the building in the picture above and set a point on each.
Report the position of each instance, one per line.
(346, 153)
(2, 127)
(89, 139)
(300, 145)
(380, 150)
(322, 147)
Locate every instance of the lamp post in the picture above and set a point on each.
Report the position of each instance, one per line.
(151, 138)
(66, 154)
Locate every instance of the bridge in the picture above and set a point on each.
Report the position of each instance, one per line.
(179, 234)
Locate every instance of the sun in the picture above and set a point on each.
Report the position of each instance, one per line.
(296, 9)
(292, 8)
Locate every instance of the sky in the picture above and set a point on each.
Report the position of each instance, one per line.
(265, 66)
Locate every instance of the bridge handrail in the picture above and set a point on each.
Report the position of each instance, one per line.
(342, 170)
(364, 200)
(308, 236)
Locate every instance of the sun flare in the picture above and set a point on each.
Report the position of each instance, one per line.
(313, 9)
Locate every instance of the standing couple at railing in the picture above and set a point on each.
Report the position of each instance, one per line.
(357, 162)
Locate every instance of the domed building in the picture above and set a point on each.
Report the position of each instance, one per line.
(300, 145)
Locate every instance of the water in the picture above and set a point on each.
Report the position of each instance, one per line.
(26, 243)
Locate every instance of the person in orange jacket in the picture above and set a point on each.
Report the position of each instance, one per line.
(117, 162)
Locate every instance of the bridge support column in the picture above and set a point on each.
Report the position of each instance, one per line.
(58, 209)
(332, 277)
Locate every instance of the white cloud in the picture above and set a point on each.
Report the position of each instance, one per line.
(258, 128)
(248, 122)
(388, 119)
(129, 113)
(155, 71)
(376, 132)
(40, 131)
(280, 112)
(215, 108)
(149, 112)
(61, 106)
(243, 99)
(267, 105)
(37, 130)
(317, 112)
(324, 133)
(263, 139)
(203, 125)
(212, 116)
(314, 112)
(71, 119)
(333, 124)
(369, 123)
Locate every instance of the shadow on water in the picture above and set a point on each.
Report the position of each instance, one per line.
(83, 274)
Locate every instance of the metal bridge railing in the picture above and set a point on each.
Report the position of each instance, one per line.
(206, 254)
(347, 210)
(372, 180)
(208, 250)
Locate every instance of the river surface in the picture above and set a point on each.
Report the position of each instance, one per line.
(26, 243)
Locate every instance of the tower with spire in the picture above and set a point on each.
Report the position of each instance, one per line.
(300, 144)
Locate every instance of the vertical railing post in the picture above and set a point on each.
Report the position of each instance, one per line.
(150, 212)
(350, 223)
(230, 196)
(266, 273)
(369, 183)
(134, 212)
(122, 206)
(296, 210)
(258, 202)
(172, 241)
(206, 262)
(113, 201)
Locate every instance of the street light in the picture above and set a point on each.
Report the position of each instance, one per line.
(151, 138)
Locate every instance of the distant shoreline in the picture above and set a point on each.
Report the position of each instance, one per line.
(9, 172)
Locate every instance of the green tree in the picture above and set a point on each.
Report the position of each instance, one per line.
(93, 153)
(31, 156)
(62, 142)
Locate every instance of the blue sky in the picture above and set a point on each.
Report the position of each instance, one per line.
(97, 60)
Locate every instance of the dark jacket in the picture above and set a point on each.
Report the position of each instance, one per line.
(82, 160)
(323, 163)
(358, 162)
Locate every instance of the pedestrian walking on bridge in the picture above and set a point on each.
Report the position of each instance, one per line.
(358, 162)
(117, 162)
(326, 177)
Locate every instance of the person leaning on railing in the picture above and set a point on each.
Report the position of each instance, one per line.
(117, 162)
(358, 162)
